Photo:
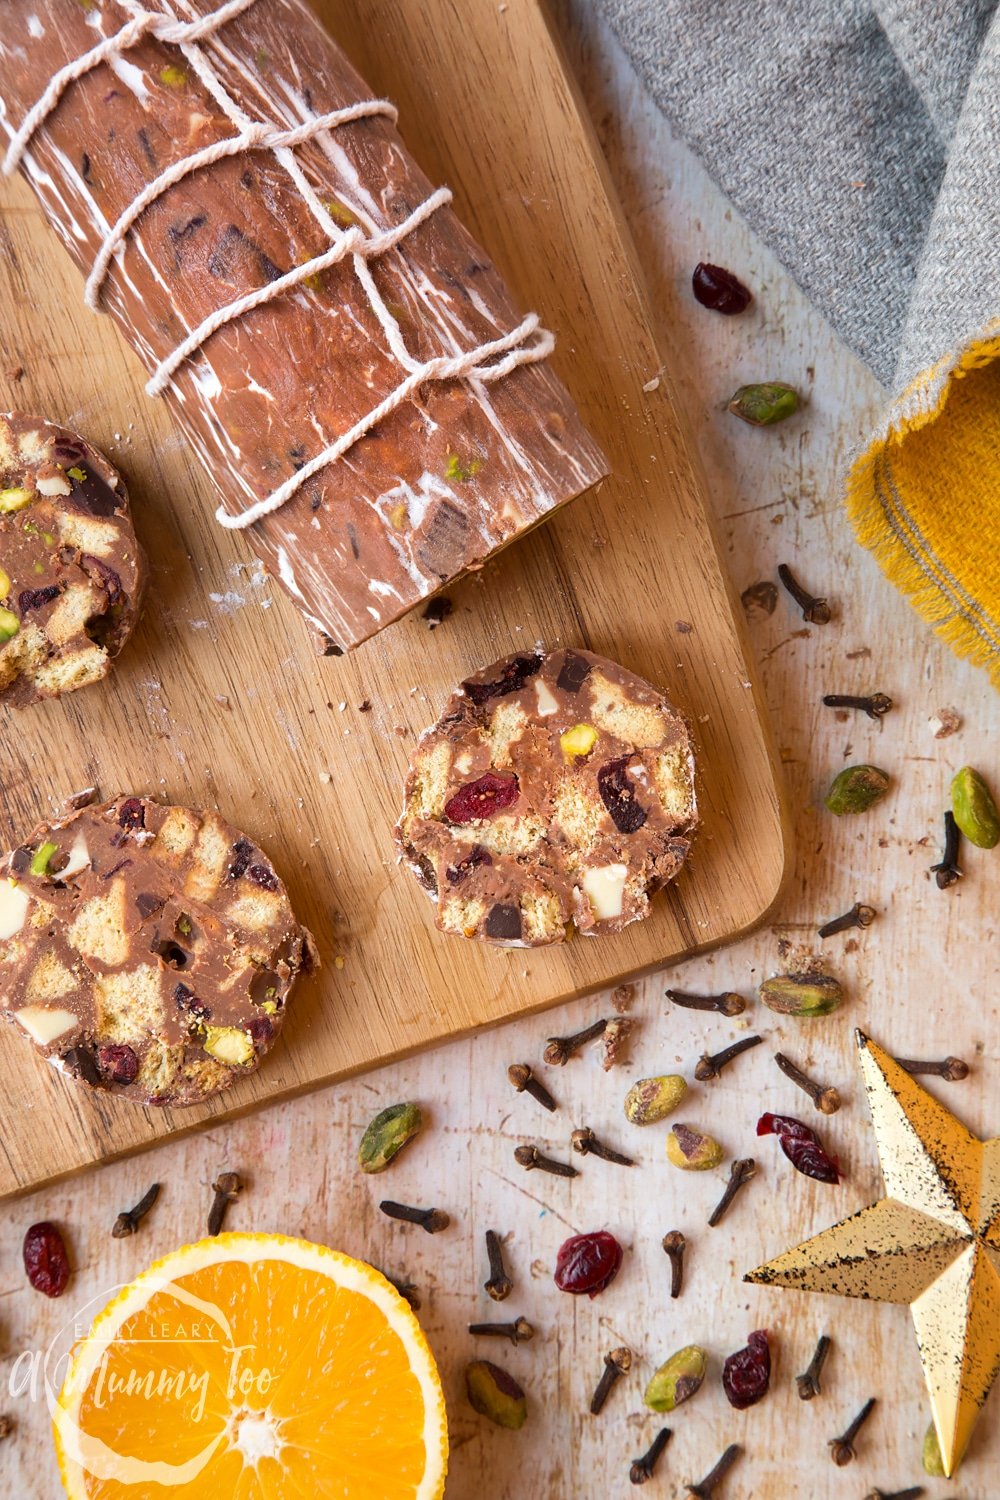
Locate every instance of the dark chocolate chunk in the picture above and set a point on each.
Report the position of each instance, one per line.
(148, 903)
(618, 795)
(503, 923)
(573, 674)
(82, 1063)
(515, 674)
(92, 495)
(444, 547)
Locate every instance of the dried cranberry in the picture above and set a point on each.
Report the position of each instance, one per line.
(118, 1062)
(35, 598)
(588, 1263)
(107, 578)
(45, 1259)
(719, 289)
(242, 855)
(476, 856)
(132, 814)
(511, 680)
(618, 795)
(482, 798)
(802, 1147)
(261, 1030)
(746, 1374)
(262, 876)
(187, 1001)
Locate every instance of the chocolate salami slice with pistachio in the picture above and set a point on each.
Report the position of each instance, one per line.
(71, 571)
(555, 788)
(147, 950)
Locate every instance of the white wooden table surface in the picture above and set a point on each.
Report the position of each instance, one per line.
(922, 980)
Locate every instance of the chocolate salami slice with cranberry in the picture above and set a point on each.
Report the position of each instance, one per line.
(147, 950)
(71, 571)
(555, 788)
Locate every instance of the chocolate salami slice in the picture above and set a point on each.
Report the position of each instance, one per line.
(143, 954)
(327, 334)
(554, 789)
(71, 571)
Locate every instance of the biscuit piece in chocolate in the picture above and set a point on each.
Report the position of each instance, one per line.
(554, 788)
(71, 571)
(148, 950)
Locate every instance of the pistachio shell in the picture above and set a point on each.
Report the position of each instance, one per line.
(802, 994)
(856, 788)
(931, 1454)
(974, 809)
(764, 404)
(651, 1099)
(387, 1134)
(677, 1379)
(692, 1151)
(495, 1394)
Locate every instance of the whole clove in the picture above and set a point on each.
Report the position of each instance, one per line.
(726, 1004)
(807, 1383)
(952, 1069)
(129, 1219)
(532, 1159)
(876, 705)
(740, 1173)
(858, 916)
(559, 1049)
(586, 1143)
(913, 1493)
(616, 1364)
(524, 1081)
(407, 1289)
(499, 1285)
(433, 1220)
(708, 1067)
(227, 1188)
(519, 1332)
(674, 1244)
(814, 611)
(825, 1097)
(946, 871)
(705, 1489)
(842, 1449)
(642, 1468)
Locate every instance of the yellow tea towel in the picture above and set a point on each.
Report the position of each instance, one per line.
(861, 139)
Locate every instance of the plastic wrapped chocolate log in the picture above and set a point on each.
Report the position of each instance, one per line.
(555, 788)
(345, 358)
(71, 572)
(147, 950)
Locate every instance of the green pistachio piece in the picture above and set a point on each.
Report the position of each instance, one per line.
(228, 1044)
(802, 994)
(387, 1134)
(80, 475)
(974, 808)
(495, 1394)
(692, 1151)
(856, 788)
(15, 499)
(763, 405)
(931, 1454)
(40, 859)
(9, 624)
(174, 78)
(677, 1379)
(462, 472)
(652, 1099)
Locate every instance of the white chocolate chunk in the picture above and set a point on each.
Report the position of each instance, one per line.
(463, 763)
(44, 1024)
(55, 484)
(605, 886)
(79, 859)
(547, 701)
(13, 908)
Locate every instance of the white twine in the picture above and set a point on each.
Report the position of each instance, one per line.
(472, 365)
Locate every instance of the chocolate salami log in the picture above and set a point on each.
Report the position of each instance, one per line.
(453, 469)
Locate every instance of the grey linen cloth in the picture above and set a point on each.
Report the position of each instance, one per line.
(860, 139)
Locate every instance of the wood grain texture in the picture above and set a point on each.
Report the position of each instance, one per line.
(923, 980)
(218, 702)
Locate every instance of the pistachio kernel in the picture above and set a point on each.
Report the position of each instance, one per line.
(9, 624)
(4, 584)
(855, 789)
(579, 740)
(228, 1044)
(764, 404)
(174, 78)
(931, 1454)
(387, 1134)
(495, 1394)
(677, 1379)
(652, 1099)
(801, 994)
(15, 499)
(40, 859)
(974, 809)
(692, 1151)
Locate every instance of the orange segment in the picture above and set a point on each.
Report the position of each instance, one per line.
(255, 1367)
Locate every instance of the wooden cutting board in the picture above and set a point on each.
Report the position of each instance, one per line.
(218, 701)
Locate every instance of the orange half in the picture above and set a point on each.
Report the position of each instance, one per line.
(253, 1367)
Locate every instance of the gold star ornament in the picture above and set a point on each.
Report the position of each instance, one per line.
(933, 1242)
